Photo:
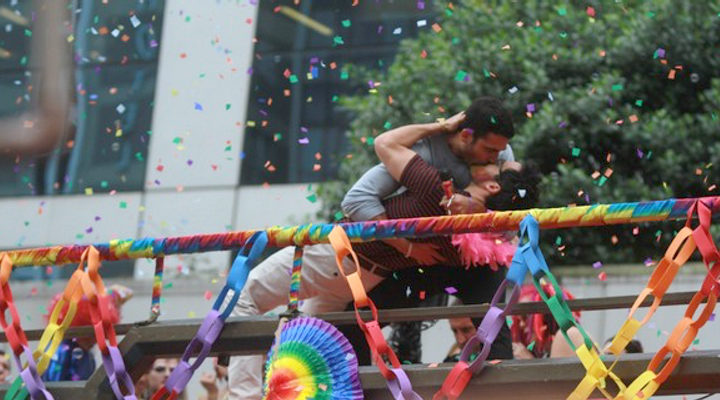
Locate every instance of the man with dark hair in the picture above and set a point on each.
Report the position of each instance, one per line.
(323, 289)
(481, 138)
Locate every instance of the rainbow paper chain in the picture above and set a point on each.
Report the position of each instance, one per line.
(548, 218)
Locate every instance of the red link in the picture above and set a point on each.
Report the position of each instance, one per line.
(379, 347)
(163, 393)
(14, 332)
(94, 290)
(455, 383)
(711, 284)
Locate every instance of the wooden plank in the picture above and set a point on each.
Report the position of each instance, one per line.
(396, 315)
(697, 372)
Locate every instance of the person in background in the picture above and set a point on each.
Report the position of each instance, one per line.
(5, 368)
(635, 346)
(215, 383)
(463, 329)
(74, 359)
(154, 379)
(537, 335)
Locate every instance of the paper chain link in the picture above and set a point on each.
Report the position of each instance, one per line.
(685, 331)
(17, 340)
(397, 380)
(678, 252)
(94, 290)
(51, 337)
(214, 321)
(458, 378)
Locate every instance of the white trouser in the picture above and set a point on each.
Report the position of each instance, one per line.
(322, 288)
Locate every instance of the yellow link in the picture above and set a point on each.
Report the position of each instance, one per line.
(641, 382)
(584, 389)
(53, 335)
(595, 376)
(625, 334)
(592, 363)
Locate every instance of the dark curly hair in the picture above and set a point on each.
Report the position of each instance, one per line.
(487, 114)
(518, 189)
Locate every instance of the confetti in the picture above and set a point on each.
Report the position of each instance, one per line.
(208, 295)
(597, 264)
(450, 290)
(602, 276)
(135, 21)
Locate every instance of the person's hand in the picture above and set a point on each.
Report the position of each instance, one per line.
(142, 384)
(457, 204)
(122, 293)
(452, 124)
(207, 380)
(521, 352)
(426, 254)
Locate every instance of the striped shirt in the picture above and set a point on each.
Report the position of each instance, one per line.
(422, 198)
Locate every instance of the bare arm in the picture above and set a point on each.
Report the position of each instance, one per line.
(394, 146)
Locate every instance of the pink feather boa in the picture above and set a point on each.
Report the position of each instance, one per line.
(484, 248)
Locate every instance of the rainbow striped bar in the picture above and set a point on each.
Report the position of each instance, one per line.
(548, 218)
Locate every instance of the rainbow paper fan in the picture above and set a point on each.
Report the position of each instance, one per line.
(313, 361)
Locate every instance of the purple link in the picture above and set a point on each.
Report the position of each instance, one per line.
(179, 377)
(115, 368)
(486, 334)
(205, 337)
(400, 387)
(489, 328)
(30, 376)
(34, 385)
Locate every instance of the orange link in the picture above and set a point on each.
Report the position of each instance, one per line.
(665, 272)
(341, 245)
(5, 268)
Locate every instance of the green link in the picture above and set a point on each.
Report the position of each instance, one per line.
(560, 310)
(563, 318)
(17, 390)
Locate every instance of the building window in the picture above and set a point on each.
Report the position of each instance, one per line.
(295, 130)
(115, 47)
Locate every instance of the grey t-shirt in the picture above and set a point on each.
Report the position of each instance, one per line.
(364, 200)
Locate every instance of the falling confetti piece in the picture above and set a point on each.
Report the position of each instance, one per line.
(597, 264)
(602, 276)
(208, 295)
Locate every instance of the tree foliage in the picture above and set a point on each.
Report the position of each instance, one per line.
(616, 102)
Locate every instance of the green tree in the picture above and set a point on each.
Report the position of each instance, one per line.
(614, 101)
